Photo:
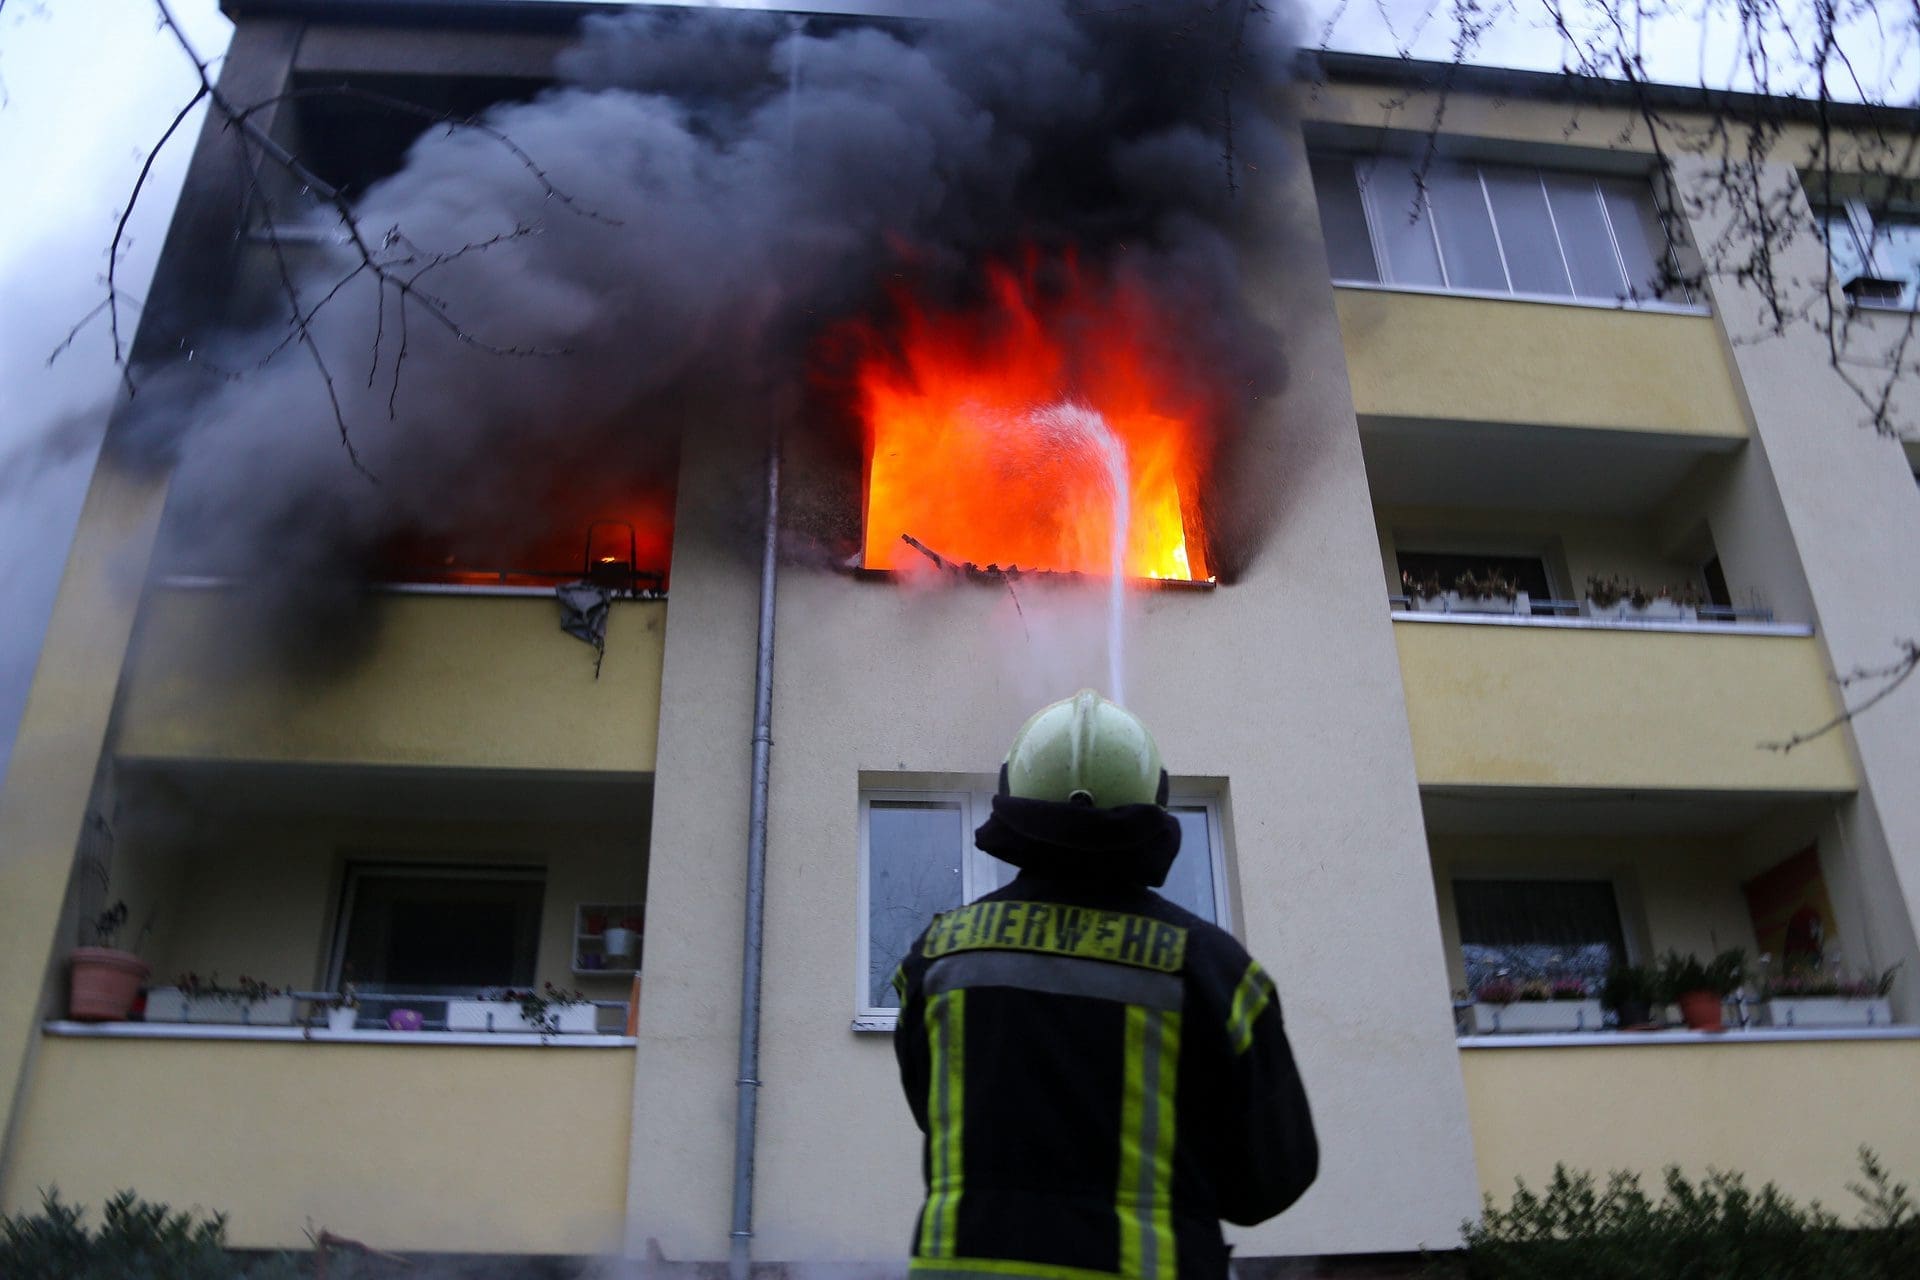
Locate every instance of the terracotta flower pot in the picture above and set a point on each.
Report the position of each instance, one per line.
(1700, 1010)
(103, 983)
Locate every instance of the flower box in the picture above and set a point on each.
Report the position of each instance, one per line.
(1536, 1015)
(505, 1015)
(1454, 602)
(1656, 610)
(1826, 1011)
(171, 1004)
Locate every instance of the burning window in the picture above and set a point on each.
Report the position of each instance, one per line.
(1051, 427)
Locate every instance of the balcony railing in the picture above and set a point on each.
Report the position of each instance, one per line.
(1529, 607)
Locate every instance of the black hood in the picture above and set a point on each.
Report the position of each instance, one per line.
(1132, 844)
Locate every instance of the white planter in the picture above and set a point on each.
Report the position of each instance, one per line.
(504, 1015)
(1826, 1011)
(339, 1019)
(1657, 610)
(1536, 1015)
(171, 1004)
(617, 941)
(1456, 603)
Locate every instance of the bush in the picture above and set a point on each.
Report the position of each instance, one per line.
(1714, 1229)
(136, 1241)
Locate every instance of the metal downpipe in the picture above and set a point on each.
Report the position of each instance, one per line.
(747, 1081)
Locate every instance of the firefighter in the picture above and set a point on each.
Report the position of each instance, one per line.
(1100, 1075)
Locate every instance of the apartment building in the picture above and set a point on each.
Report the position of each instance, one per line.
(1392, 792)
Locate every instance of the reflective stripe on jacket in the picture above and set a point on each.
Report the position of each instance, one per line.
(1101, 1077)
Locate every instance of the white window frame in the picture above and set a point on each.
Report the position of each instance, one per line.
(982, 873)
(1373, 215)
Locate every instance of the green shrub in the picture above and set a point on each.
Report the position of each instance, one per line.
(135, 1241)
(1714, 1229)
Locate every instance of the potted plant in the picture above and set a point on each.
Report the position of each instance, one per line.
(1539, 1004)
(1814, 998)
(343, 1009)
(1701, 989)
(1629, 994)
(192, 998)
(1487, 593)
(104, 980)
(1423, 591)
(1623, 599)
(548, 1011)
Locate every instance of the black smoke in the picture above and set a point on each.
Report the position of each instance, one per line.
(739, 182)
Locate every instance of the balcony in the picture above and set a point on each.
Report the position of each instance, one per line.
(1416, 357)
(1553, 703)
(1791, 1111)
(461, 1149)
(449, 681)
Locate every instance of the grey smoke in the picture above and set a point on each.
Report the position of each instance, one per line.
(750, 179)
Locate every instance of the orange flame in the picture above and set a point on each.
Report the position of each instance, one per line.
(968, 449)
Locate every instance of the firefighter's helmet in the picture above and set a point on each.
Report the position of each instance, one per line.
(1085, 750)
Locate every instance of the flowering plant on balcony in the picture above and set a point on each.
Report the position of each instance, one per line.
(541, 1009)
(1568, 989)
(1497, 991)
(1611, 590)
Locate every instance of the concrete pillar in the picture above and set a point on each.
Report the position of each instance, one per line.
(1847, 495)
(65, 725)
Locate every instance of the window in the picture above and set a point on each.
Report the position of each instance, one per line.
(1876, 254)
(436, 930)
(1493, 229)
(917, 859)
(1524, 929)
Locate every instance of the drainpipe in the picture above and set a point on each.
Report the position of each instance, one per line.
(747, 1082)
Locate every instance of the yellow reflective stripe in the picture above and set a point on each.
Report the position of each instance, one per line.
(1133, 1105)
(962, 1268)
(1057, 929)
(946, 1034)
(1143, 1199)
(899, 981)
(1250, 1000)
(1169, 1027)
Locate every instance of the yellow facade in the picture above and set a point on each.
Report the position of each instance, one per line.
(450, 681)
(1529, 706)
(1791, 1113)
(1414, 355)
(431, 1147)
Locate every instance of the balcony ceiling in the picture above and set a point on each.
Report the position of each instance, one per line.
(1545, 812)
(1496, 466)
(209, 788)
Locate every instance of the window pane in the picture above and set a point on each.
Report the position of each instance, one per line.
(1526, 232)
(1637, 230)
(1545, 929)
(1896, 253)
(1343, 221)
(1467, 245)
(1406, 240)
(441, 934)
(1843, 246)
(1190, 883)
(914, 850)
(1584, 238)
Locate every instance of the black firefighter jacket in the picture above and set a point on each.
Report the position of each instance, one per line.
(1101, 1077)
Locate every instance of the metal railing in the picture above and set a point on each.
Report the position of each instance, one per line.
(319, 1002)
(1548, 608)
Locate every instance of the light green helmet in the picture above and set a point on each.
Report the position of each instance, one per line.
(1085, 750)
